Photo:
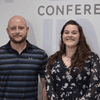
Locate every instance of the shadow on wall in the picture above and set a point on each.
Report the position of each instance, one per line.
(31, 38)
(9, 1)
(47, 35)
(90, 35)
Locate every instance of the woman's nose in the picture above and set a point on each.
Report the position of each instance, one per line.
(70, 34)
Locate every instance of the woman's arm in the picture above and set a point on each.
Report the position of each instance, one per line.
(51, 94)
(93, 93)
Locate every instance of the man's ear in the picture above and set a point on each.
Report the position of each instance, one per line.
(7, 30)
(27, 28)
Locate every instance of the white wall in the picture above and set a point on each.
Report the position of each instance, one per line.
(46, 18)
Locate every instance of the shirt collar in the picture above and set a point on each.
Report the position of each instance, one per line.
(8, 46)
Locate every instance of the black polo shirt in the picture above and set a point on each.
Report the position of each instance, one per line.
(19, 72)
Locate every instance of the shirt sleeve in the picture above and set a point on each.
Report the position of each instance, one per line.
(43, 65)
(51, 94)
(93, 92)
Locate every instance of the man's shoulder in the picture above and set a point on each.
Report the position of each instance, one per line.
(34, 46)
(3, 47)
(37, 49)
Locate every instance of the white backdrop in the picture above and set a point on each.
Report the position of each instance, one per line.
(45, 19)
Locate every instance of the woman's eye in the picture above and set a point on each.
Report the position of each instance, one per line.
(66, 32)
(74, 33)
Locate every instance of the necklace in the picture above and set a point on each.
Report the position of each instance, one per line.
(67, 58)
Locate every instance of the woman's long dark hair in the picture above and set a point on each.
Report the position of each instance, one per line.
(80, 56)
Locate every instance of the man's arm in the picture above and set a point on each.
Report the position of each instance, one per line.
(44, 94)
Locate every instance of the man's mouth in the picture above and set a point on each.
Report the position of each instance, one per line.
(17, 35)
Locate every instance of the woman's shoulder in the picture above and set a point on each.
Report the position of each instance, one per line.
(94, 55)
(57, 62)
(94, 59)
(56, 66)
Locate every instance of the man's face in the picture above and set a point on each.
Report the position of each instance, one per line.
(17, 30)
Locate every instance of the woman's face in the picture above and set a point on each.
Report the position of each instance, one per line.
(71, 36)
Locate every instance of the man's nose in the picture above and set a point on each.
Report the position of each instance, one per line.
(17, 31)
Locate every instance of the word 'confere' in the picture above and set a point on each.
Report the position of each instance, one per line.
(77, 9)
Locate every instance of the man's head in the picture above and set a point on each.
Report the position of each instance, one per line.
(17, 29)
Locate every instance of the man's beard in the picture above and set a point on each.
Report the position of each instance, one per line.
(17, 42)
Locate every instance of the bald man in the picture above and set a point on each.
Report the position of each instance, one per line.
(20, 64)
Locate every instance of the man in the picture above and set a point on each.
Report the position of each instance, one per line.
(20, 64)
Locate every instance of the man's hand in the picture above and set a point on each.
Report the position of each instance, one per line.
(44, 94)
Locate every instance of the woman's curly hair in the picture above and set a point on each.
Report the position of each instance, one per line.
(80, 56)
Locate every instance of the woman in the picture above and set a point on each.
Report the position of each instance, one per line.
(72, 73)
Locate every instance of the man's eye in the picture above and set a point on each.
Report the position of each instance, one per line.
(21, 28)
(13, 28)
